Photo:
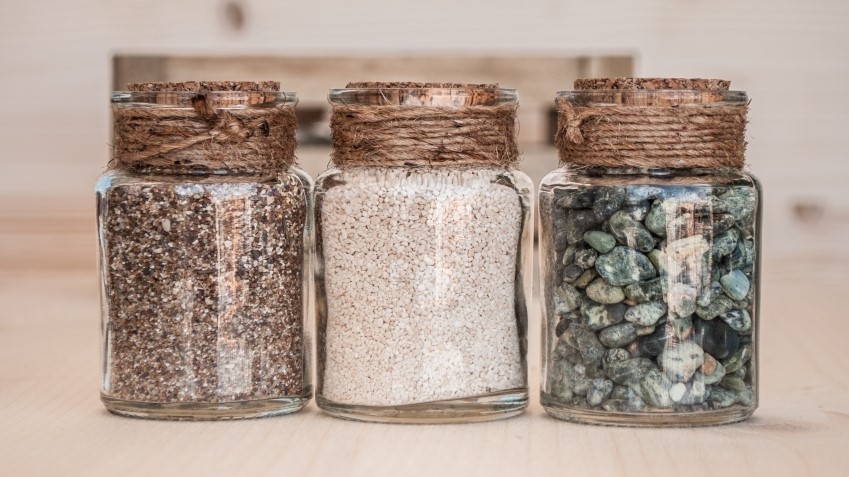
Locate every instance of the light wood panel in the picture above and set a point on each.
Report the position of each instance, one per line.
(53, 422)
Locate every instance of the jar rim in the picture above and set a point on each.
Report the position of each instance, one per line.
(424, 96)
(648, 97)
(222, 99)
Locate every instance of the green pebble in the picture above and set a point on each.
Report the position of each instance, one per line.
(657, 258)
(738, 359)
(624, 266)
(630, 232)
(735, 284)
(585, 278)
(656, 219)
(733, 383)
(645, 291)
(603, 242)
(724, 243)
(617, 336)
(718, 306)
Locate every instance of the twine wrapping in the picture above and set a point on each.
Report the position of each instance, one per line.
(204, 136)
(700, 132)
(393, 134)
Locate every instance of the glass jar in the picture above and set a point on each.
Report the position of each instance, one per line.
(204, 230)
(423, 246)
(650, 255)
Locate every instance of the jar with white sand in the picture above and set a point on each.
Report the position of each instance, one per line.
(423, 248)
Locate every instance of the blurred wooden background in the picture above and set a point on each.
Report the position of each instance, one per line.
(56, 70)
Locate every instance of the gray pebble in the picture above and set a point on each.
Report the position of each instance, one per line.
(642, 193)
(657, 257)
(599, 391)
(682, 299)
(608, 200)
(721, 397)
(598, 316)
(653, 388)
(566, 299)
(646, 314)
(585, 278)
(721, 223)
(739, 358)
(724, 243)
(585, 258)
(577, 222)
(638, 211)
(645, 291)
(624, 266)
(680, 362)
(569, 255)
(574, 199)
(630, 232)
(735, 284)
(738, 320)
(656, 219)
(718, 306)
(630, 371)
(739, 202)
(618, 335)
(616, 354)
(572, 273)
(601, 292)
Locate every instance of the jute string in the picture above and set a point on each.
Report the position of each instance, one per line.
(684, 135)
(394, 134)
(202, 137)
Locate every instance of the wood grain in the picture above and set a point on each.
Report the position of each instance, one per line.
(53, 422)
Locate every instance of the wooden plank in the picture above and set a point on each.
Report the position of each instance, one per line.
(54, 424)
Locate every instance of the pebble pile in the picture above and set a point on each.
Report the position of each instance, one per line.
(650, 298)
(420, 276)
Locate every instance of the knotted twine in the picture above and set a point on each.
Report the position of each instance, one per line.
(629, 129)
(224, 126)
(476, 132)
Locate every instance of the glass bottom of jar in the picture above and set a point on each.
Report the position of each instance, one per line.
(206, 411)
(490, 407)
(645, 419)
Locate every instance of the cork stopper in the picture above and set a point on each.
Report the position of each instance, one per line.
(412, 123)
(203, 127)
(652, 123)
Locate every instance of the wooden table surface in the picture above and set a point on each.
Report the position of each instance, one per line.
(52, 422)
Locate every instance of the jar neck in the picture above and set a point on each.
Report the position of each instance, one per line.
(658, 172)
(199, 173)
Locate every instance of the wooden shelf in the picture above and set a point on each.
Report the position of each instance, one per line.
(52, 422)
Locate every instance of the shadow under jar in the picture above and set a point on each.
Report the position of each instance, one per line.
(423, 234)
(649, 250)
(204, 230)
